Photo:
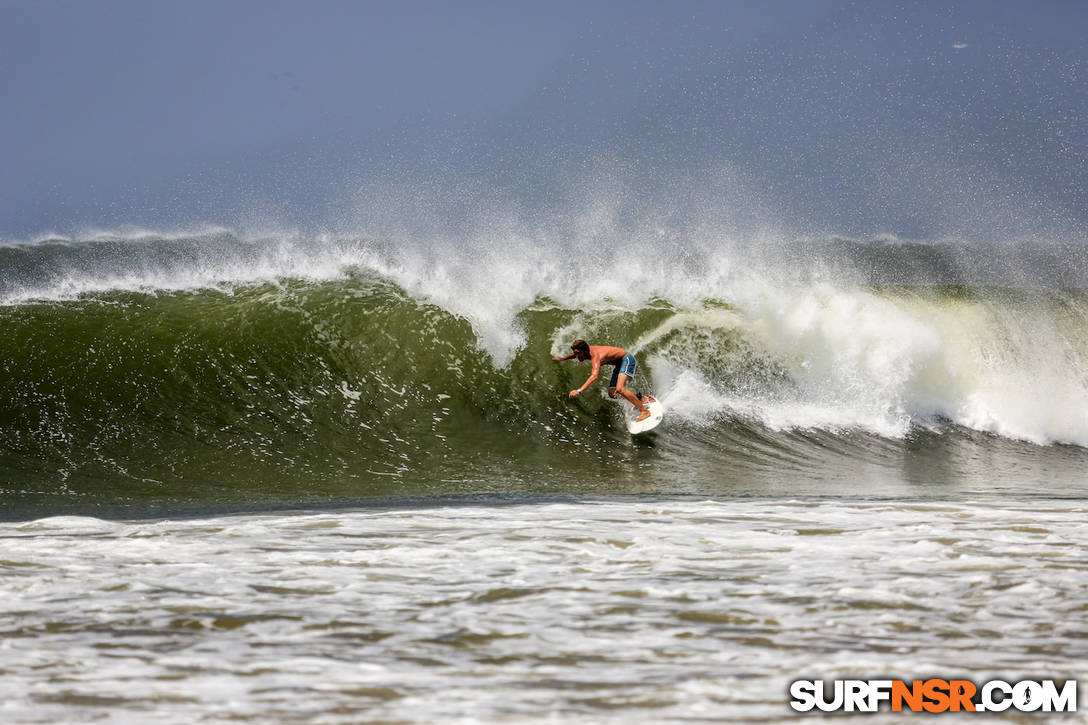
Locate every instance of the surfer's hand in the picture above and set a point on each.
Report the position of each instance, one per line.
(574, 393)
(613, 394)
(556, 358)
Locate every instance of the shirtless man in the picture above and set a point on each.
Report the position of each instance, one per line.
(624, 363)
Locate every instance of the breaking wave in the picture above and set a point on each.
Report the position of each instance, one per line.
(147, 363)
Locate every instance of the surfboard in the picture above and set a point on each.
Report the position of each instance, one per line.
(657, 413)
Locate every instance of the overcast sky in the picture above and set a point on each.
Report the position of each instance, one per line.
(857, 117)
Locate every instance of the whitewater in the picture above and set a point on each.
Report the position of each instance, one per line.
(595, 610)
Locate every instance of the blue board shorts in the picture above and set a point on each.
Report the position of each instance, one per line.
(626, 366)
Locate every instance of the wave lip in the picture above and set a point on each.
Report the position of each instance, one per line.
(62, 269)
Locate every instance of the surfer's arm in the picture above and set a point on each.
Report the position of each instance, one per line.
(565, 357)
(590, 380)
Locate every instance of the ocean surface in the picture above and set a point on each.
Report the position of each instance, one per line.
(310, 478)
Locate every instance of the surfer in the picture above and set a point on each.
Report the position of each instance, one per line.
(624, 371)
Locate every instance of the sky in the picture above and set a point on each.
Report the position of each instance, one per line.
(919, 119)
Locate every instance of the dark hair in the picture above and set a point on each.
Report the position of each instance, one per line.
(580, 346)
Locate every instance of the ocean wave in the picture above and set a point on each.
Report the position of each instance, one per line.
(145, 364)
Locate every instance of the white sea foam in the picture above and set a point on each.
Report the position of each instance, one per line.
(885, 362)
(603, 611)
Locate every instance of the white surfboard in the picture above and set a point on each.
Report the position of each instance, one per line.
(657, 413)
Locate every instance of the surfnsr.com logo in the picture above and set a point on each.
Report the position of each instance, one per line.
(933, 695)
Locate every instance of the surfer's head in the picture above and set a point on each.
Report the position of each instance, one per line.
(581, 349)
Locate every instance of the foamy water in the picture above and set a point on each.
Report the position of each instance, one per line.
(1007, 363)
(610, 611)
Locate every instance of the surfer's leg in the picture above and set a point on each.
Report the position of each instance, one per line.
(621, 388)
(612, 382)
(626, 371)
